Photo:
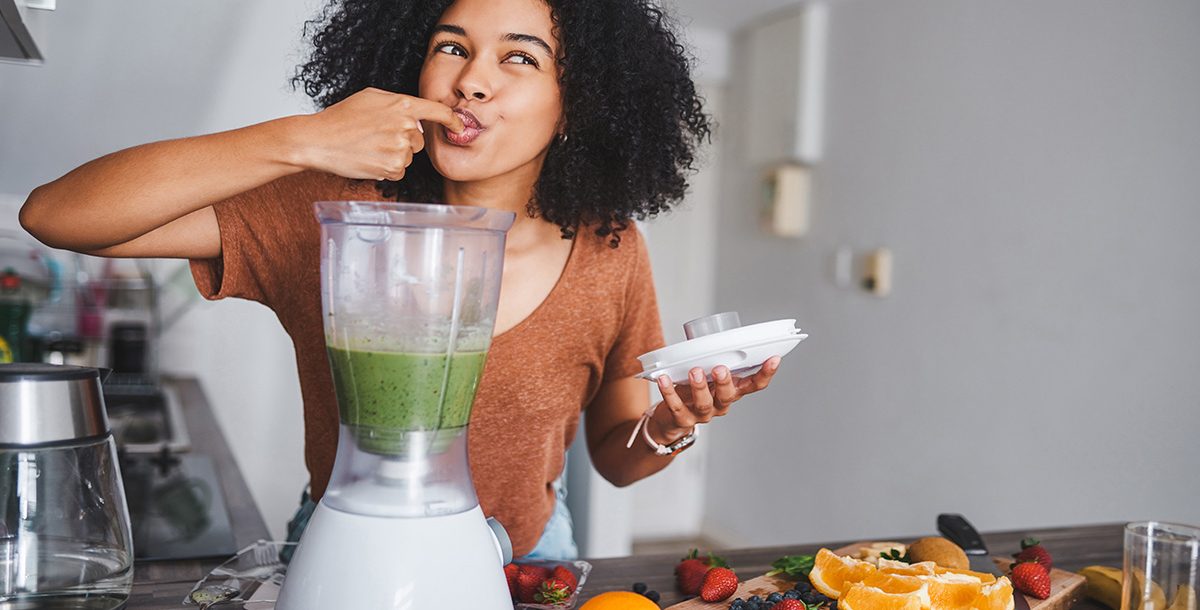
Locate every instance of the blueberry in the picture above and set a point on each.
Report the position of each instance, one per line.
(639, 588)
(652, 596)
(755, 599)
(775, 598)
(737, 605)
(793, 594)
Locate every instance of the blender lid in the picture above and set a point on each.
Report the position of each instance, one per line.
(413, 215)
(719, 340)
(46, 403)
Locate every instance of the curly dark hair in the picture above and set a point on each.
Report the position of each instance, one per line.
(634, 120)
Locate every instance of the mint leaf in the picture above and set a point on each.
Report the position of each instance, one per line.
(794, 566)
(895, 555)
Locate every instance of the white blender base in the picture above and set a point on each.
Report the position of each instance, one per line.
(377, 563)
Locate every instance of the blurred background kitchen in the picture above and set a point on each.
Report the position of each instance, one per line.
(984, 212)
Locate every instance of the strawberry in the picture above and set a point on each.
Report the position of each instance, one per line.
(689, 574)
(553, 591)
(789, 604)
(529, 580)
(1031, 578)
(719, 584)
(1032, 550)
(510, 574)
(565, 575)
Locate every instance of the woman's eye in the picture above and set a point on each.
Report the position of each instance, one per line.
(452, 49)
(521, 58)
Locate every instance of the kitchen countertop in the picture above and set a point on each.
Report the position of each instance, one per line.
(163, 584)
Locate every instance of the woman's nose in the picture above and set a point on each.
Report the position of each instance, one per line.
(473, 82)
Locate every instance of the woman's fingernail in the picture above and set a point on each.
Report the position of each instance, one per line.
(721, 373)
(420, 127)
(664, 382)
(697, 376)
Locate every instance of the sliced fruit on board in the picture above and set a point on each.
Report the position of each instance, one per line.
(1065, 587)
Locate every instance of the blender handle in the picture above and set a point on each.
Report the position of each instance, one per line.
(503, 542)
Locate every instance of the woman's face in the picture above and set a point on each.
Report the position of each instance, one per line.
(493, 62)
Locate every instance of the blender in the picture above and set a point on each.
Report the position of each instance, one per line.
(409, 295)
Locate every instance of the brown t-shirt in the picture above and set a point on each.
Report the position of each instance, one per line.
(539, 376)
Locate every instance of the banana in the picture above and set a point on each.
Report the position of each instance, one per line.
(1104, 585)
(1185, 599)
(1155, 598)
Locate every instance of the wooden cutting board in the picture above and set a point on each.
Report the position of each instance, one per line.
(1065, 587)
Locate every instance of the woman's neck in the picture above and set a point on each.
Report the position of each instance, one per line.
(512, 194)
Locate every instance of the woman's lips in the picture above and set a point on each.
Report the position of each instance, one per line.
(471, 129)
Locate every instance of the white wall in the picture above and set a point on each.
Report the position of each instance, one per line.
(1035, 168)
(124, 72)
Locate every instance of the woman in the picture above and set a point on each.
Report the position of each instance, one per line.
(577, 115)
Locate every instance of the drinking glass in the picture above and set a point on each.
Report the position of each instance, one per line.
(1162, 566)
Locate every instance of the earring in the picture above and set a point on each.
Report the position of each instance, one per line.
(562, 138)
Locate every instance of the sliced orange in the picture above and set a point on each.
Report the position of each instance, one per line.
(952, 591)
(832, 574)
(862, 597)
(983, 577)
(893, 583)
(995, 596)
(925, 568)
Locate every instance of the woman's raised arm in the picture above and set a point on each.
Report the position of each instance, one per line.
(155, 200)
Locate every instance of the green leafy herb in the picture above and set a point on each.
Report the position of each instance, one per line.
(794, 566)
(895, 555)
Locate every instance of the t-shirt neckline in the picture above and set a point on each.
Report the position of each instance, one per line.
(550, 296)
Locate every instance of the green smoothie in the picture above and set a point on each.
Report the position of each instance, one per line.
(384, 395)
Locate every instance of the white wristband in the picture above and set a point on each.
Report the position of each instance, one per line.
(644, 426)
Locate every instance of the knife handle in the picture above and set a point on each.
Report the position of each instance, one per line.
(960, 531)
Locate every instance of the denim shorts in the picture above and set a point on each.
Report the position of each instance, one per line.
(557, 541)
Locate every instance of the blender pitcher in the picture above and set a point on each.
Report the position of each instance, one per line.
(409, 296)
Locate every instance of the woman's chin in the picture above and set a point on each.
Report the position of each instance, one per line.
(459, 167)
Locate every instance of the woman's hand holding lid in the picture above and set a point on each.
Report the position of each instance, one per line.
(697, 401)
